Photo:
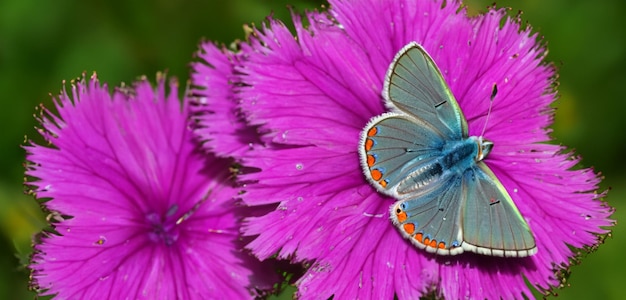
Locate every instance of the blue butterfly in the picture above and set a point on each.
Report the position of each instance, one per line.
(449, 201)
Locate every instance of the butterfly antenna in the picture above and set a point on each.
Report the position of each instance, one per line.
(494, 91)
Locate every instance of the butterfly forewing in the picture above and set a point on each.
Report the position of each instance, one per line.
(416, 87)
(491, 222)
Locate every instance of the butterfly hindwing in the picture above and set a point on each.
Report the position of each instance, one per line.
(392, 146)
(491, 222)
(431, 221)
(416, 87)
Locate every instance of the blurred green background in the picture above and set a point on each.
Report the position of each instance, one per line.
(43, 43)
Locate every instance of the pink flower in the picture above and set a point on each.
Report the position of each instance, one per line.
(310, 97)
(138, 211)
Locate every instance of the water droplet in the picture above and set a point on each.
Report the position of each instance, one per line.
(515, 190)
(389, 265)
(587, 217)
(299, 166)
(537, 160)
(103, 278)
(284, 135)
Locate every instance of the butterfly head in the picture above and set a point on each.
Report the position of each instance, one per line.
(484, 147)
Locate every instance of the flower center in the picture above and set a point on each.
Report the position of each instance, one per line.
(163, 228)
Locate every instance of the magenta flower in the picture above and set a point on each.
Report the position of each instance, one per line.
(138, 211)
(311, 96)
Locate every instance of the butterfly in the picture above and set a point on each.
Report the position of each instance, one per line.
(448, 200)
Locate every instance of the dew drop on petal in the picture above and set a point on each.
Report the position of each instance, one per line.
(299, 166)
(300, 199)
(103, 278)
(515, 190)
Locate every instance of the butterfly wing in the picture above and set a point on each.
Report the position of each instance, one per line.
(491, 223)
(414, 85)
(431, 221)
(392, 146)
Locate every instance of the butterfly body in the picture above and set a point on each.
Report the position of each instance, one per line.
(420, 153)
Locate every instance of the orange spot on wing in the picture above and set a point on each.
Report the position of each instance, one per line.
(441, 245)
(409, 228)
(376, 174)
(369, 143)
(371, 160)
(419, 237)
(401, 217)
(372, 131)
(433, 243)
(383, 183)
(426, 241)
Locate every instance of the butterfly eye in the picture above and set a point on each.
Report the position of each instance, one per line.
(486, 147)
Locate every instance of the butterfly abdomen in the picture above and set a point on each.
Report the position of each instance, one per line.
(455, 158)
